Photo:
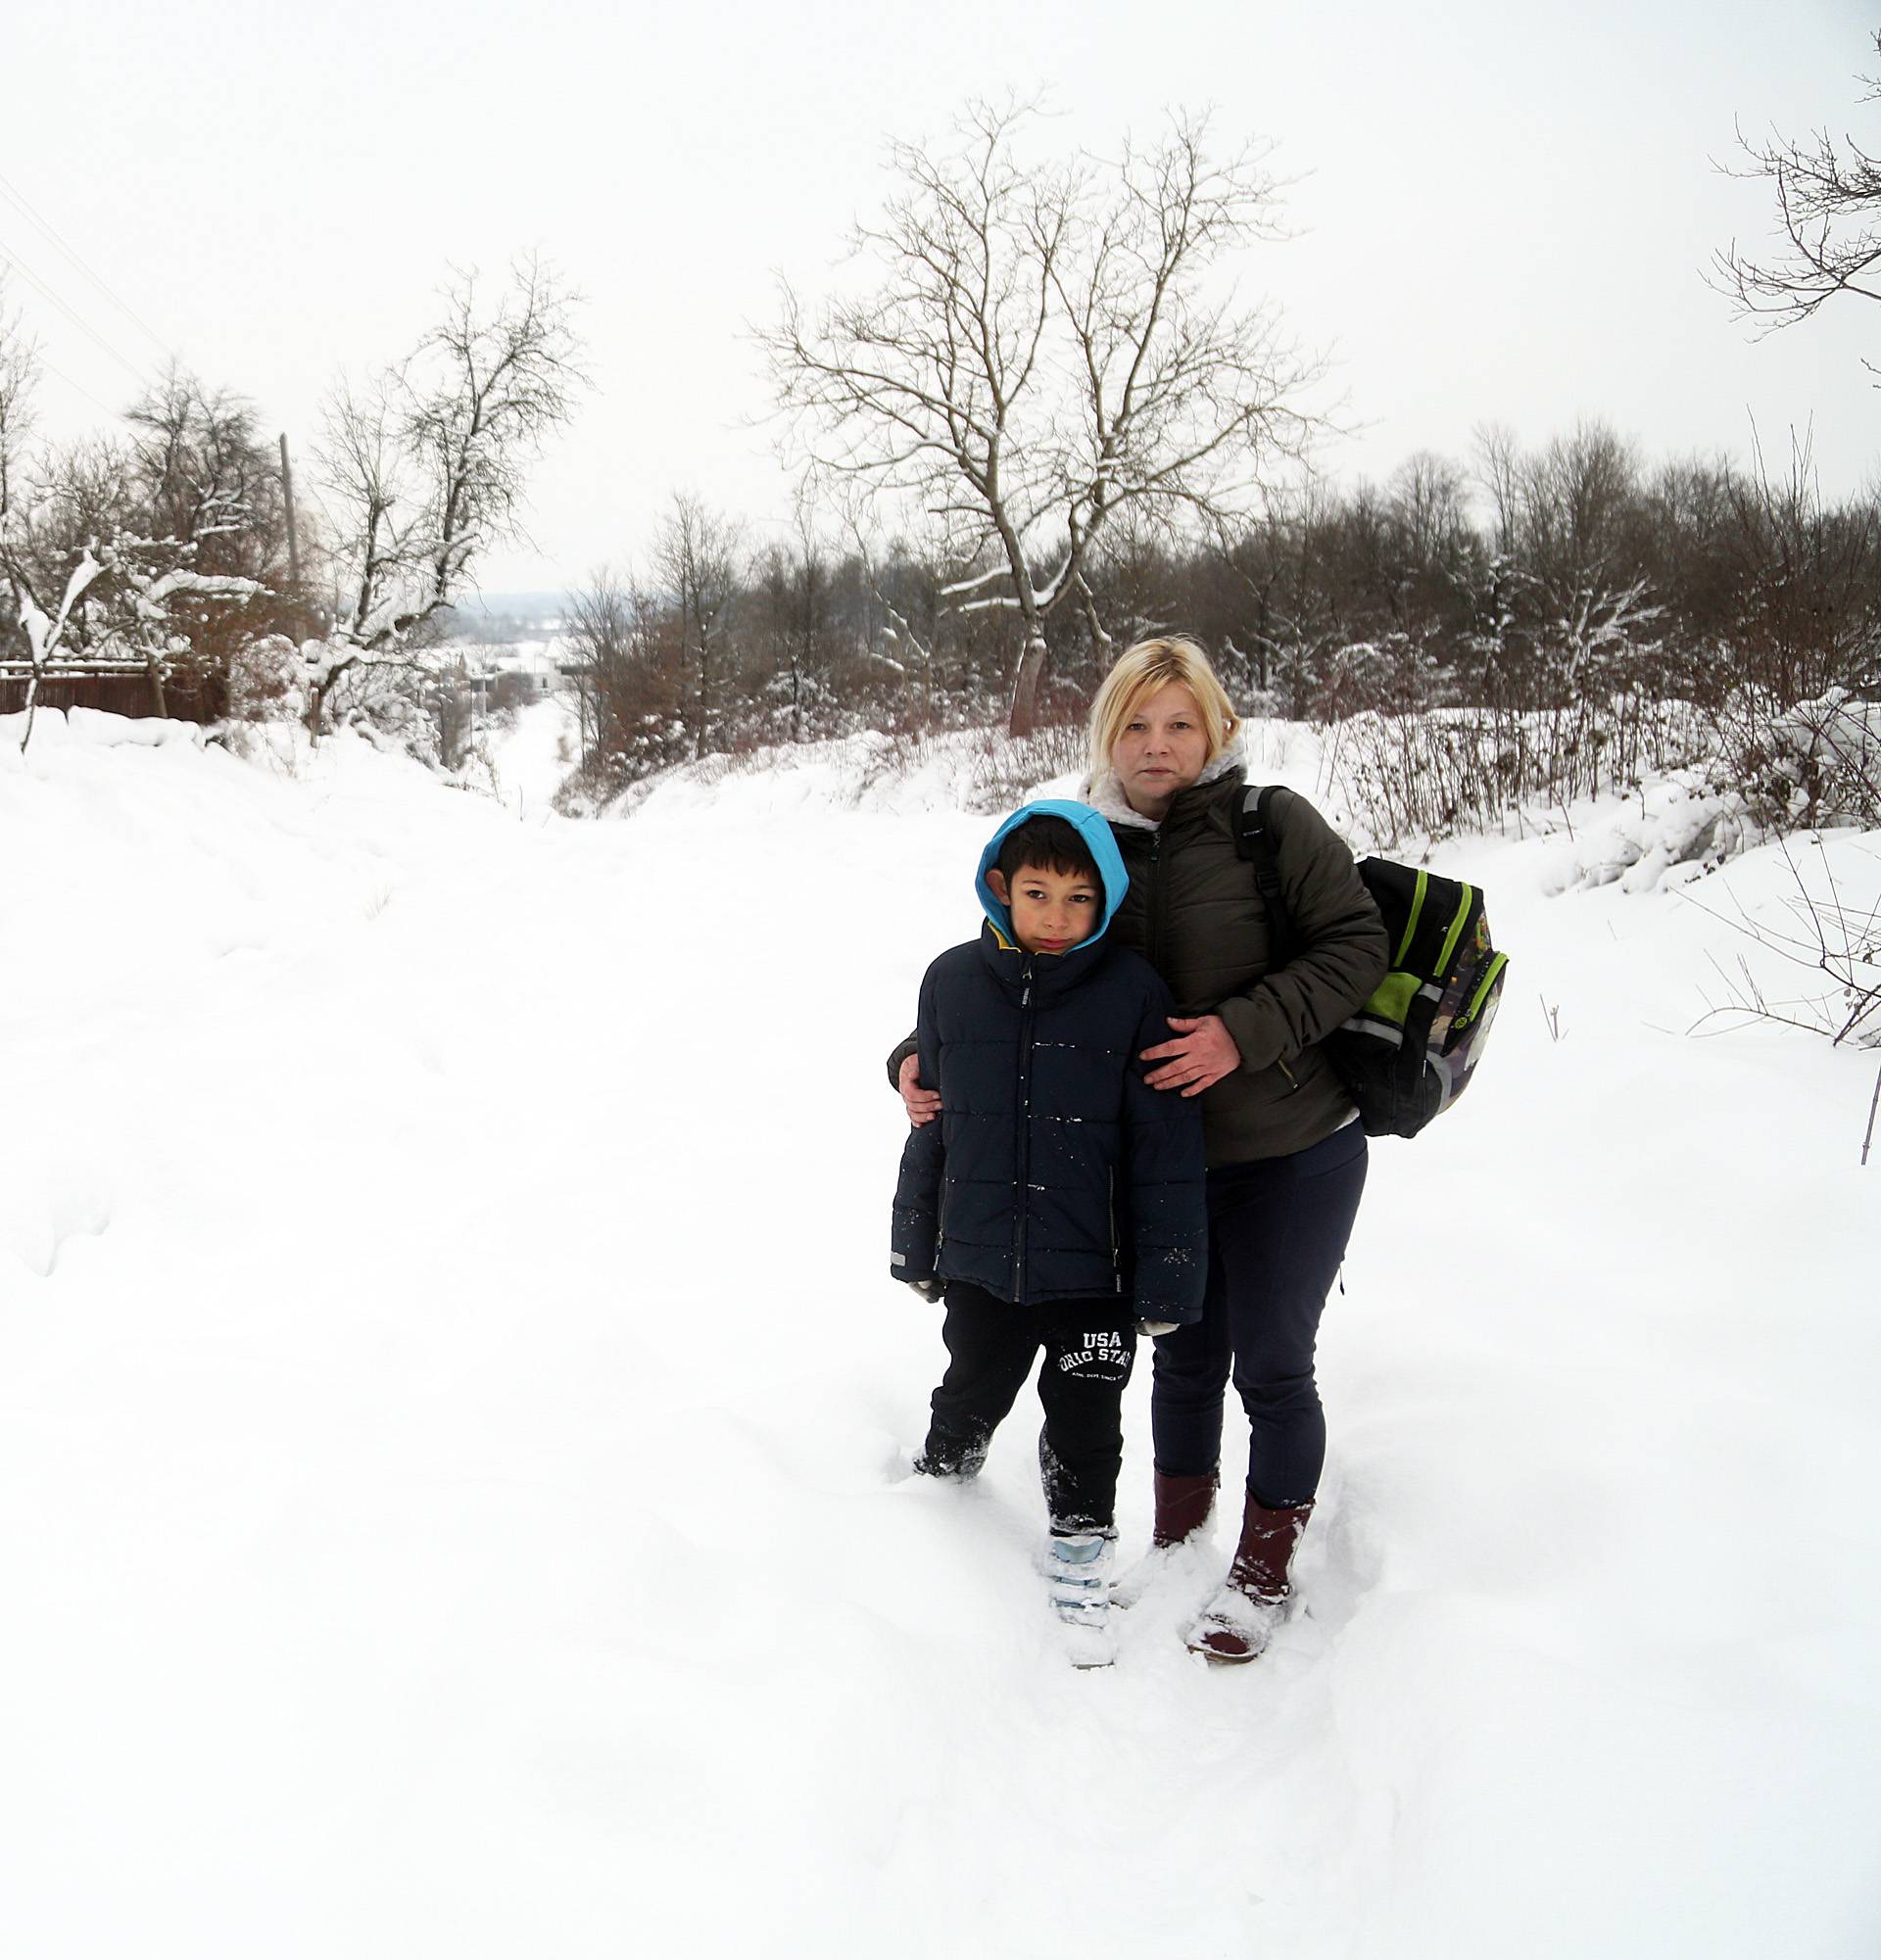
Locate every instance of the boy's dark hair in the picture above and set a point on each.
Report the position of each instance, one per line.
(1047, 843)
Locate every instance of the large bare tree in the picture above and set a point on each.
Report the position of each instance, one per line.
(1828, 208)
(424, 468)
(1040, 347)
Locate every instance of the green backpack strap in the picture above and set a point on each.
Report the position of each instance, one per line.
(1257, 840)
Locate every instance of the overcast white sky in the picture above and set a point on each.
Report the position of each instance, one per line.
(1507, 207)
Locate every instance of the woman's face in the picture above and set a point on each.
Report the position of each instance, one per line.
(1162, 749)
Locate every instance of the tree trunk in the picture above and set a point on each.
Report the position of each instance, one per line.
(1100, 640)
(154, 667)
(1027, 681)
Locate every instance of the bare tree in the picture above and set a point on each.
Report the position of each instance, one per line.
(696, 561)
(906, 606)
(424, 469)
(601, 631)
(791, 589)
(205, 476)
(1045, 349)
(19, 378)
(46, 631)
(121, 524)
(627, 680)
(1828, 205)
(1808, 599)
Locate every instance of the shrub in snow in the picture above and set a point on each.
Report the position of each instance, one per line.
(1679, 820)
(1806, 766)
(263, 683)
(1434, 773)
(1829, 923)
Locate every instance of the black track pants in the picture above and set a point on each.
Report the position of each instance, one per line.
(1276, 1232)
(1088, 1348)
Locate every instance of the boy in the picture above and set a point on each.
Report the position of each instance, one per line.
(1058, 1201)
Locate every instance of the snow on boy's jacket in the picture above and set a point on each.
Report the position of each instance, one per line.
(1053, 1173)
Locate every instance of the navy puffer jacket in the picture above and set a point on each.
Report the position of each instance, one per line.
(1053, 1173)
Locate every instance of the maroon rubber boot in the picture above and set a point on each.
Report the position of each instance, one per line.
(1237, 1623)
(1183, 1507)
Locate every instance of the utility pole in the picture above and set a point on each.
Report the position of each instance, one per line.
(293, 537)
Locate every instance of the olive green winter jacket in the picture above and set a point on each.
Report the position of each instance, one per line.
(1194, 913)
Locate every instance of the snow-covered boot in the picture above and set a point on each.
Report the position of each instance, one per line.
(1183, 1505)
(1237, 1623)
(958, 1458)
(1078, 1566)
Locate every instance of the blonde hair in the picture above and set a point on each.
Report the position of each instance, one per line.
(1146, 669)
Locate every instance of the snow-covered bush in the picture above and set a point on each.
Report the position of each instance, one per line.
(1806, 766)
(264, 681)
(1432, 774)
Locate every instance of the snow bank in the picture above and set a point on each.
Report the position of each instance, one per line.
(1677, 823)
(452, 1413)
(97, 730)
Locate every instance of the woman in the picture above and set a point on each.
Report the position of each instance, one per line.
(1287, 1155)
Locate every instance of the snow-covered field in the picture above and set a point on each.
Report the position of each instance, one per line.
(452, 1404)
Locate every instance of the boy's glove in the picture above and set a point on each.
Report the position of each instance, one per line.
(1153, 1329)
(929, 1288)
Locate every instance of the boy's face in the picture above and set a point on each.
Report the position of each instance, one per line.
(1052, 911)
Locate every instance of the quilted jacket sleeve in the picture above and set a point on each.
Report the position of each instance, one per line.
(1339, 954)
(1166, 1172)
(914, 1239)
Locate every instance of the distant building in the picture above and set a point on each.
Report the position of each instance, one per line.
(515, 674)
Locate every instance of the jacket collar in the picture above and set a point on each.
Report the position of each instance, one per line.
(1105, 794)
(1048, 975)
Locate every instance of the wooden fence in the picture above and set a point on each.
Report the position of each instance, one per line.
(118, 691)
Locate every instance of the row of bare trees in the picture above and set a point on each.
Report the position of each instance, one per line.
(166, 548)
(1035, 416)
(1525, 580)
(1035, 411)
(153, 550)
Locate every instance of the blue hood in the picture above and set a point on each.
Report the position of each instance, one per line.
(1093, 829)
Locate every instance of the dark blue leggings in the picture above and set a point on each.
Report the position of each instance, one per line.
(1276, 1232)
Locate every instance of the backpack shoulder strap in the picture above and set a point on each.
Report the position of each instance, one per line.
(1257, 840)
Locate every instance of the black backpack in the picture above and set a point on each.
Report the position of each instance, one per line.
(1410, 1050)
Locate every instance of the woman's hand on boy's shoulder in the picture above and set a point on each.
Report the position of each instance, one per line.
(1200, 1058)
(923, 1104)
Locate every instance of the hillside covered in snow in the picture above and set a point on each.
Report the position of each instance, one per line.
(453, 1410)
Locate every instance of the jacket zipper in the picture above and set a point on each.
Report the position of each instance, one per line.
(1023, 1151)
(1156, 909)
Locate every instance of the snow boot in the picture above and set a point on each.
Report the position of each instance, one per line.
(1183, 1505)
(958, 1459)
(1079, 1567)
(1239, 1622)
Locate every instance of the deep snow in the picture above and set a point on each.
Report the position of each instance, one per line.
(452, 1404)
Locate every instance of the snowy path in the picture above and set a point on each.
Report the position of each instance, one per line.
(449, 1396)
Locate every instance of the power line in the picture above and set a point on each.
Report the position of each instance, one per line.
(78, 388)
(46, 293)
(20, 202)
